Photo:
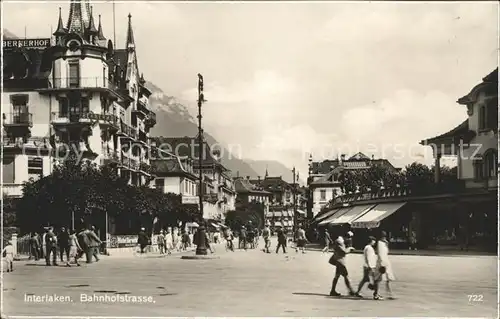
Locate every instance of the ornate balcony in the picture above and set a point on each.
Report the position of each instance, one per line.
(110, 157)
(128, 132)
(79, 83)
(150, 120)
(129, 163)
(141, 109)
(64, 118)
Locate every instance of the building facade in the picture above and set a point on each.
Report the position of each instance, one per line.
(324, 177)
(248, 193)
(74, 92)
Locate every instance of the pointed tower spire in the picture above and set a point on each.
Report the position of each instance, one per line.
(267, 174)
(141, 79)
(60, 27)
(79, 16)
(100, 34)
(130, 34)
(91, 28)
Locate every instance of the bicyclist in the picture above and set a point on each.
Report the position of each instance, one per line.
(266, 233)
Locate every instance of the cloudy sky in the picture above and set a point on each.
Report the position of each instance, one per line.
(286, 79)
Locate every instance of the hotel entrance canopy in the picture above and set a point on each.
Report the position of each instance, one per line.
(373, 218)
(351, 214)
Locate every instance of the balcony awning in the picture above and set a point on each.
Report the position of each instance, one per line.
(278, 223)
(352, 214)
(373, 217)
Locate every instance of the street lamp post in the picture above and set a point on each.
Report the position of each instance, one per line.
(201, 247)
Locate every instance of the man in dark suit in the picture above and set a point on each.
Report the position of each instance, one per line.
(51, 244)
(64, 244)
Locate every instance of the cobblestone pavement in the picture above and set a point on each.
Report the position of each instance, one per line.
(252, 283)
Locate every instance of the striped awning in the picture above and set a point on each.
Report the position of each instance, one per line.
(378, 213)
(352, 214)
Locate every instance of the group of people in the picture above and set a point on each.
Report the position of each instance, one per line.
(72, 245)
(376, 266)
(168, 240)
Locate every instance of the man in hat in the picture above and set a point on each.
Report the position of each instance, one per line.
(266, 234)
(161, 242)
(281, 239)
(340, 252)
(242, 238)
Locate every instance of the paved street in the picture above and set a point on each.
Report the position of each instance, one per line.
(254, 284)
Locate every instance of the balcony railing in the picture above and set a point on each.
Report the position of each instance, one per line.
(67, 117)
(129, 130)
(141, 106)
(429, 189)
(83, 83)
(12, 190)
(18, 119)
(27, 142)
(143, 137)
(130, 163)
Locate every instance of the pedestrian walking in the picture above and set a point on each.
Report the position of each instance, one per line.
(384, 266)
(8, 256)
(51, 247)
(161, 242)
(169, 241)
(228, 235)
(44, 244)
(338, 259)
(142, 240)
(301, 240)
(175, 239)
(281, 240)
(74, 248)
(63, 240)
(185, 241)
(243, 238)
(413, 240)
(35, 246)
(369, 269)
(95, 243)
(327, 240)
(266, 234)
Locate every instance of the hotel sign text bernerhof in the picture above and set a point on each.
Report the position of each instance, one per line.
(39, 43)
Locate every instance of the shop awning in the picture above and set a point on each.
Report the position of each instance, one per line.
(373, 218)
(352, 214)
(327, 214)
(193, 224)
(335, 214)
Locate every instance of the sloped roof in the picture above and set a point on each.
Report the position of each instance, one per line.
(488, 85)
(242, 185)
(170, 167)
(460, 130)
(359, 156)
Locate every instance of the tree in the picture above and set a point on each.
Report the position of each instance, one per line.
(245, 212)
(418, 177)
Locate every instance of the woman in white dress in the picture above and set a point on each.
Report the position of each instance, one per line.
(73, 249)
(384, 266)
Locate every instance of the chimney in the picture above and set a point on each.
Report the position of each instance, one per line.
(258, 178)
(373, 157)
(248, 178)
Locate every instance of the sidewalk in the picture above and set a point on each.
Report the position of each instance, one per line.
(422, 252)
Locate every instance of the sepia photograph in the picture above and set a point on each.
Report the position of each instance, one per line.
(249, 159)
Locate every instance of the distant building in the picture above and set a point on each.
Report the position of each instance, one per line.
(248, 192)
(323, 181)
(218, 189)
(76, 91)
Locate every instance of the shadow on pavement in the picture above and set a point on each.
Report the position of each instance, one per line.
(330, 297)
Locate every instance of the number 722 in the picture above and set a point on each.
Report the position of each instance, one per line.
(475, 298)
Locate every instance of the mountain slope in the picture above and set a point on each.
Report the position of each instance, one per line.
(173, 119)
(274, 168)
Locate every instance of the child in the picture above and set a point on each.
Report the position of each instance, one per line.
(8, 256)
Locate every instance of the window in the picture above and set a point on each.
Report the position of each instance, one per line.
(482, 117)
(478, 169)
(35, 168)
(74, 74)
(322, 194)
(20, 108)
(490, 163)
(8, 170)
(492, 114)
(63, 107)
(159, 183)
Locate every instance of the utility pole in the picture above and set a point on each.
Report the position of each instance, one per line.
(294, 204)
(201, 248)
